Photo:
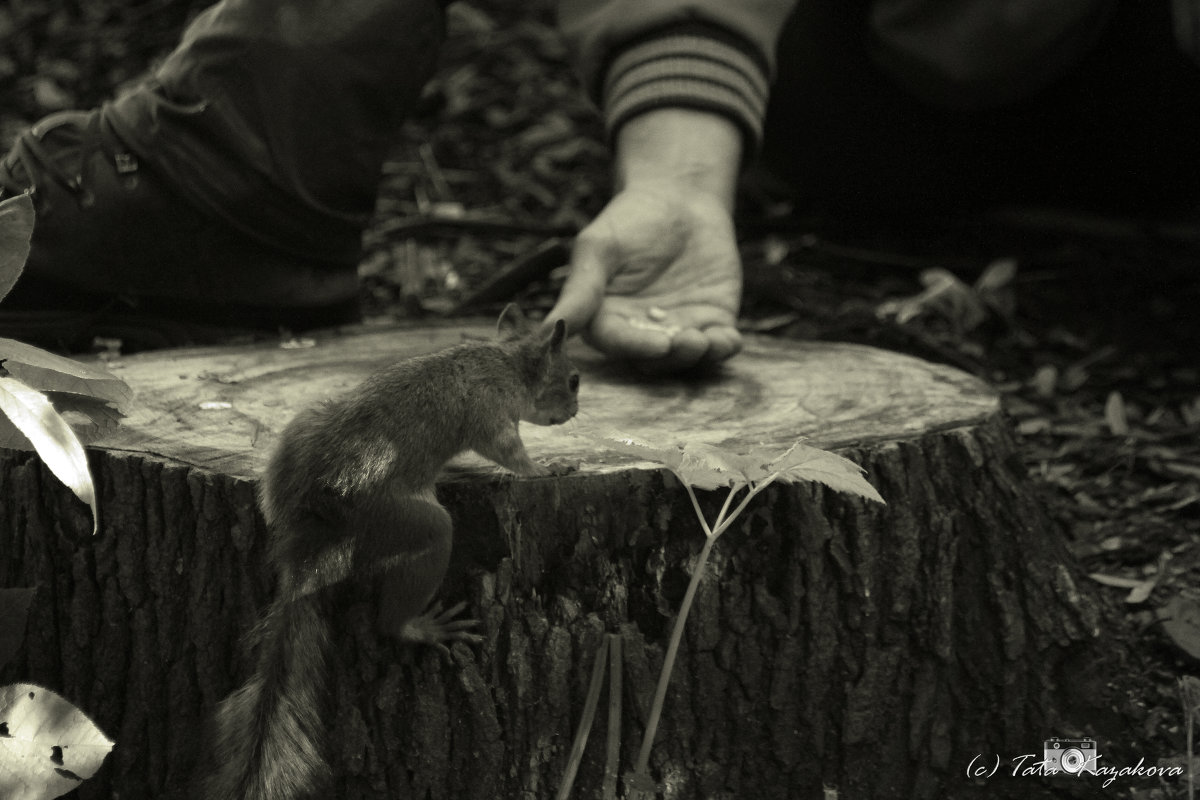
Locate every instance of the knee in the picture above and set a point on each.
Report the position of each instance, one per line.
(980, 54)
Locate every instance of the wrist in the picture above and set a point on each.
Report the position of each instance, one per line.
(700, 150)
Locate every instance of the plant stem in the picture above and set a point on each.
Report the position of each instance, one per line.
(1190, 705)
(696, 506)
(613, 752)
(664, 678)
(723, 521)
(722, 525)
(585, 721)
(725, 508)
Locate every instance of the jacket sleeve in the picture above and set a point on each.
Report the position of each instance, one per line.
(714, 55)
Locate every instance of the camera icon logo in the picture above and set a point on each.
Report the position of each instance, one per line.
(1071, 756)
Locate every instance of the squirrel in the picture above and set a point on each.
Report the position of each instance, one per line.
(349, 493)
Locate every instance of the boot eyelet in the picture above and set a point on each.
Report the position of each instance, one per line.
(126, 163)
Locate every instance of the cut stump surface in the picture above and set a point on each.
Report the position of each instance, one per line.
(835, 643)
(222, 409)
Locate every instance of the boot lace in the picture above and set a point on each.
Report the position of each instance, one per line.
(31, 159)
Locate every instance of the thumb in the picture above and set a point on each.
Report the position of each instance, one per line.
(585, 287)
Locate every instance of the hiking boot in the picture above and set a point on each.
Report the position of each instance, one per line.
(116, 252)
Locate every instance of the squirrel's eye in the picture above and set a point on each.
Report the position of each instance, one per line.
(573, 382)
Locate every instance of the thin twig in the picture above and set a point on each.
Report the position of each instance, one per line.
(429, 225)
(440, 186)
(535, 265)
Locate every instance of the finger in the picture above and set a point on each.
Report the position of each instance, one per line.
(629, 337)
(724, 342)
(688, 348)
(584, 289)
(692, 348)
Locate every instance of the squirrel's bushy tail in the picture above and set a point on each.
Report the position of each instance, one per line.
(268, 738)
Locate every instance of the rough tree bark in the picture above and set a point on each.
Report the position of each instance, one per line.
(874, 650)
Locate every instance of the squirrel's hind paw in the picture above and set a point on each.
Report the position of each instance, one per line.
(437, 627)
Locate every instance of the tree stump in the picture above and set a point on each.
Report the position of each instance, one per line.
(870, 649)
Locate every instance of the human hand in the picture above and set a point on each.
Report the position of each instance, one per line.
(656, 279)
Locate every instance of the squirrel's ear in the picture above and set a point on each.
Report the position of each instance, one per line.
(558, 335)
(512, 323)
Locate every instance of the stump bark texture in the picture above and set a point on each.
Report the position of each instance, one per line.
(836, 644)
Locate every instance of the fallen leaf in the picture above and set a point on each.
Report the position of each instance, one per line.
(1182, 468)
(1182, 502)
(1141, 593)
(90, 417)
(1190, 411)
(48, 372)
(50, 748)
(775, 250)
(1115, 415)
(945, 296)
(1034, 425)
(1074, 377)
(995, 287)
(31, 423)
(50, 96)
(16, 230)
(1181, 622)
(1116, 581)
(1045, 380)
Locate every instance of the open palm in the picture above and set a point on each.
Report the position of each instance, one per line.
(656, 278)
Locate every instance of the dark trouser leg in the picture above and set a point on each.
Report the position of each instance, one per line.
(277, 114)
(1116, 131)
(231, 188)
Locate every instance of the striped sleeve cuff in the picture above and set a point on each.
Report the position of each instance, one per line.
(689, 71)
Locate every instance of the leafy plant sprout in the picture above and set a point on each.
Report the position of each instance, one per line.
(700, 466)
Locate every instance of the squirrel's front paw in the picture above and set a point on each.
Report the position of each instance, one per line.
(560, 467)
